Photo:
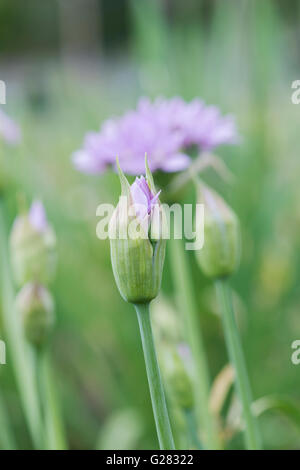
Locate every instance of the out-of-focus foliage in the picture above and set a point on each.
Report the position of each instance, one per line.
(241, 55)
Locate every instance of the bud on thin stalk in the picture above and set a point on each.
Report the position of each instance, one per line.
(219, 259)
(137, 254)
(33, 256)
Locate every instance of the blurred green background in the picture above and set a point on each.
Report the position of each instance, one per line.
(69, 65)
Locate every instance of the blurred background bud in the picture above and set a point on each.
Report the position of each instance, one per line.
(33, 247)
(35, 304)
(175, 356)
(175, 364)
(220, 254)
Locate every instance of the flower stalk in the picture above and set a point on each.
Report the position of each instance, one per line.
(53, 431)
(192, 428)
(137, 248)
(7, 440)
(33, 256)
(183, 287)
(219, 259)
(157, 394)
(253, 439)
(21, 360)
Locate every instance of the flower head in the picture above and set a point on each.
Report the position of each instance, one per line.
(164, 129)
(9, 130)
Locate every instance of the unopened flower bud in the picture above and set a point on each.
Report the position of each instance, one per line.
(220, 254)
(174, 355)
(35, 305)
(32, 244)
(177, 371)
(137, 241)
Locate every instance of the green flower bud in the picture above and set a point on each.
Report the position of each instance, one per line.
(220, 254)
(174, 355)
(33, 247)
(176, 371)
(35, 304)
(137, 241)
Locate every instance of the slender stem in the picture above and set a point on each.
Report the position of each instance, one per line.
(19, 353)
(38, 356)
(53, 426)
(7, 440)
(183, 286)
(191, 423)
(159, 406)
(252, 435)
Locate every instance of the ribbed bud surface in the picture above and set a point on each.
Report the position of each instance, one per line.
(220, 254)
(35, 305)
(33, 254)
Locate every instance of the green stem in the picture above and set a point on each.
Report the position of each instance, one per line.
(252, 435)
(187, 304)
(159, 406)
(54, 430)
(39, 354)
(7, 441)
(191, 423)
(19, 353)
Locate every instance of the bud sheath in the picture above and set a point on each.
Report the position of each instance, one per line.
(220, 254)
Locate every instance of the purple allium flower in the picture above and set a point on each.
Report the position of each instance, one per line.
(9, 130)
(164, 129)
(37, 216)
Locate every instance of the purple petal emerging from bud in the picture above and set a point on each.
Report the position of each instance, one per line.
(143, 198)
